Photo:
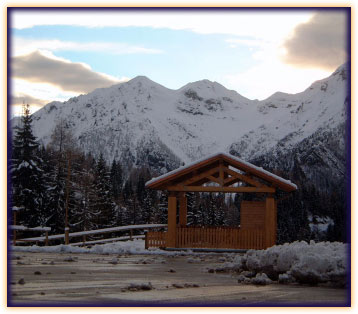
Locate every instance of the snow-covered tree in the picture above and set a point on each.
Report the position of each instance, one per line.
(102, 200)
(61, 150)
(162, 215)
(116, 180)
(26, 174)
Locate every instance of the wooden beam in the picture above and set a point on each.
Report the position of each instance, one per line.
(213, 179)
(172, 220)
(183, 204)
(231, 180)
(221, 173)
(270, 221)
(245, 178)
(200, 176)
(225, 189)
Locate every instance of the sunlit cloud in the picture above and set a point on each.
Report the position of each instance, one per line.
(270, 76)
(320, 42)
(38, 67)
(19, 99)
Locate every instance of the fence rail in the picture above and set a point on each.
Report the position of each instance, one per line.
(16, 228)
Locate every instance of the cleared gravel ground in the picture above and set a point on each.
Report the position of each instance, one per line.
(119, 280)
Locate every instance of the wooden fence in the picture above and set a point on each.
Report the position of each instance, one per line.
(155, 239)
(211, 237)
(84, 234)
(17, 228)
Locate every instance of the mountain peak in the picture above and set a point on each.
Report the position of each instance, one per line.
(140, 78)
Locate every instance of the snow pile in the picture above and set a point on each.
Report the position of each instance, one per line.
(302, 262)
(136, 246)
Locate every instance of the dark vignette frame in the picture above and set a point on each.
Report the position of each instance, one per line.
(11, 10)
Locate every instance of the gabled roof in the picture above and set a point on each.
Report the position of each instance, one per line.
(246, 171)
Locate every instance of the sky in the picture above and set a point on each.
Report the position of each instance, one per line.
(58, 54)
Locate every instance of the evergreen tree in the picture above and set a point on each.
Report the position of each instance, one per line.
(129, 214)
(82, 214)
(26, 174)
(60, 149)
(220, 210)
(195, 215)
(102, 197)
(162, 216)
(116, 180)
(210, 208)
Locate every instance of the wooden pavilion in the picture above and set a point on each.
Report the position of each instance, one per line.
(227, 174)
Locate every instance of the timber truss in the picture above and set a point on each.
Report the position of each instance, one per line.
(221, 173)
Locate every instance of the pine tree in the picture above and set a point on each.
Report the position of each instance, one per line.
(26, 174)
(102, 197)
(61, 149)
(81, 214)
(116, 180)
(162, 217)
(193, 212)
(220, 210)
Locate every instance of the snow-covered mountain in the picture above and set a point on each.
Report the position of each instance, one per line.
(141, 122)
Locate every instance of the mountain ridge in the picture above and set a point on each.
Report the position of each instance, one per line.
(141, 122)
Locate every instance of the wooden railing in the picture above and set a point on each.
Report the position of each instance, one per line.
(85, 234)
(155, 239)
(211, 237)
(17, 228)
(219, 237)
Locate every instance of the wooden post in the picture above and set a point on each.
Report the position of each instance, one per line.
(183, 208)
(172, 220)
(146, 246)
(14, 232)
(84, 239)
(14, 237)
(46, 238)
(131, 234)
(67, 235)
(67, 241)
(270, 221)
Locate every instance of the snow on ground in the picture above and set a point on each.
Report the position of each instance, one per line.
(123, 247)
(302, 262)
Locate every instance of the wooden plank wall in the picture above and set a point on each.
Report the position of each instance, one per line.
(252, 215)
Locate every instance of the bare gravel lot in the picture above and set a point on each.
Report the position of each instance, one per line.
(58, 279)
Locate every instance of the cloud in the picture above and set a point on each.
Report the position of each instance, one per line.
(39, 67)
(27, 99)
(23, 46)
(245, 42)
(17, 101)
(270, 76)
(321, 42)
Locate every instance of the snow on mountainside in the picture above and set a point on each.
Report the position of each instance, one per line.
(292, 118)
(142, 122)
